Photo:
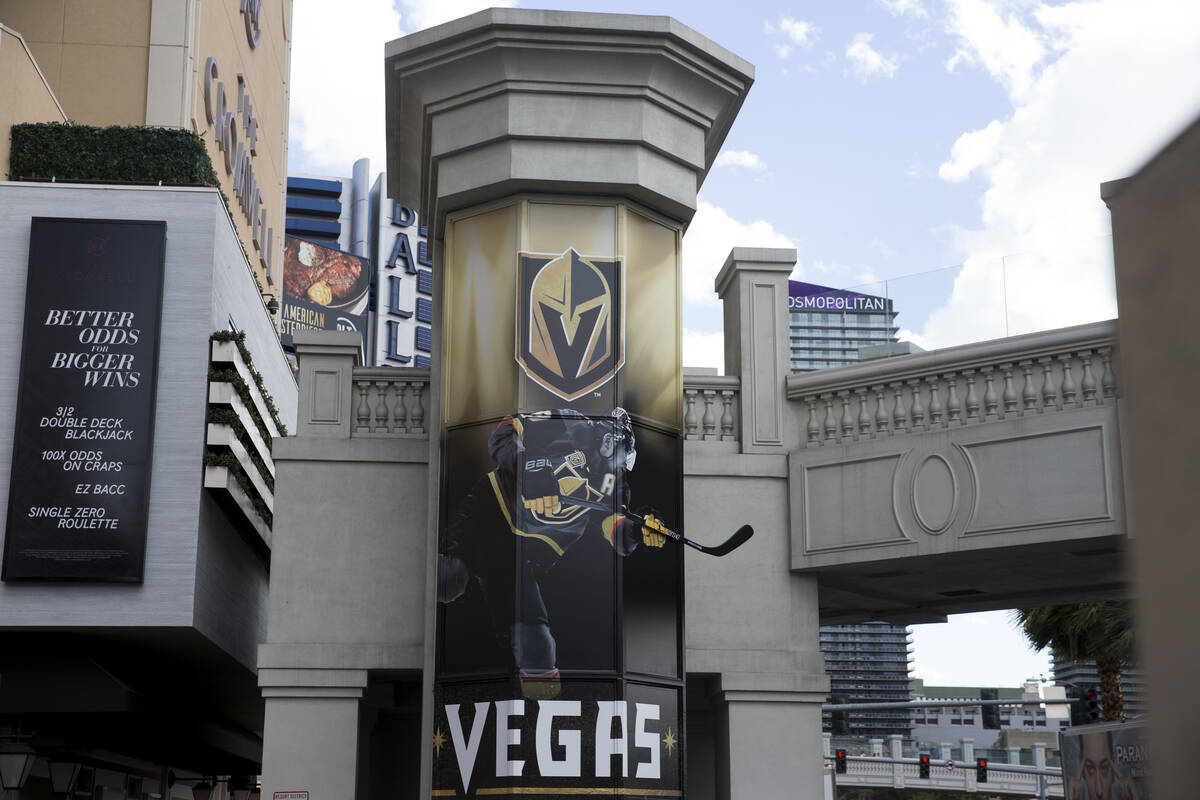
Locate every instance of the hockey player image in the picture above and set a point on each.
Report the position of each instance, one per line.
(519, 520)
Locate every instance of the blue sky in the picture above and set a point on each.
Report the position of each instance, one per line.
(933, 150)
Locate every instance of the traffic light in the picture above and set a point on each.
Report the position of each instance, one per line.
(981, 770)
(1078, 712)
(1091, 704)
(923, 767)
(839, 762)
(991, 714)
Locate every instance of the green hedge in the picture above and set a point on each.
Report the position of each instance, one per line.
(45, 150)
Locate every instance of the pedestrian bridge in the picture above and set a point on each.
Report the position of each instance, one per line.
(896, 765)
(984, 476)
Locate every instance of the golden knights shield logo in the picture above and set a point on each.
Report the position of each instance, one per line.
(570, 329)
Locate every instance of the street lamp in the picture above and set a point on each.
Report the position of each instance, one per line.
(202, 790)
(240, 787)
(16, 760)
(63, 775)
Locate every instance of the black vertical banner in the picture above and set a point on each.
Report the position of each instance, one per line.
(80, 485)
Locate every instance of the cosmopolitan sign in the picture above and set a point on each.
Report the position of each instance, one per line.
(809, 296)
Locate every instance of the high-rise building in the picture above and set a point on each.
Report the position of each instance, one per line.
(356, 216)
(827, 327)
(869, 661)
(1083, 674)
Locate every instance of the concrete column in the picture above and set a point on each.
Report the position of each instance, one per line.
(769, 744)
(502, 125)
(1014, 755)
(968, 751)
(753, 285)
(945, 751)
(896, 750)
(876, 746)
(327, 360)
(310, 731)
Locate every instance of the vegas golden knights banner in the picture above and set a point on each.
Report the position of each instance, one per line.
(560, 650)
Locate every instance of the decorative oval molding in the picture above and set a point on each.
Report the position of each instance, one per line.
(935, 494)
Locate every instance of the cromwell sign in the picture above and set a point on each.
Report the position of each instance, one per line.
(80, 483)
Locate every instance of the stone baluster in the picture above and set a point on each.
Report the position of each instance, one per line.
(1068, 382)
(1028, 392)
(972, 401)
(953, 404)
(727, 416)
(416, 417)
(814, 428)
(991, 401)
(690, 423)
(1108, 381)
(847, 420)
(363, 412)
(864, 417)
(918, 406)
(935, 402)
(709, 420)
(1087, 384)
(401, 416)
(881, 414)
(382, 412)
(1010, 392)
(1049, 389)
(830, 422)
(899, 412)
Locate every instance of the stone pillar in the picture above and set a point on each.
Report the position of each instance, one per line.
(310, 731)
(968, 751)
(753, 284)
(896, 750)
(555, 157)
(767, 744)
(325, 407)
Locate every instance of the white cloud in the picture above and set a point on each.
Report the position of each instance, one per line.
(975, 649)
(704, 349)
(1005, 47)
(867, 62)
(706, 245)
(1122, 78)
(900, 7)
(971, 151)
(797, 32)
(322, 99)
(740, 158)
(336, 114)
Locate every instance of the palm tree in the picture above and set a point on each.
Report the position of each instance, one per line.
(1100, 632)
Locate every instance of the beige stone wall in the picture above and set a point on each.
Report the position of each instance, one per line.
(27, 97)
(139, 62)
(93, 53)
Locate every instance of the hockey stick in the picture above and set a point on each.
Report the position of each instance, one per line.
(739, 537)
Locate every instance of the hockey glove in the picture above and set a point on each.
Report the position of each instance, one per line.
(654, 532)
